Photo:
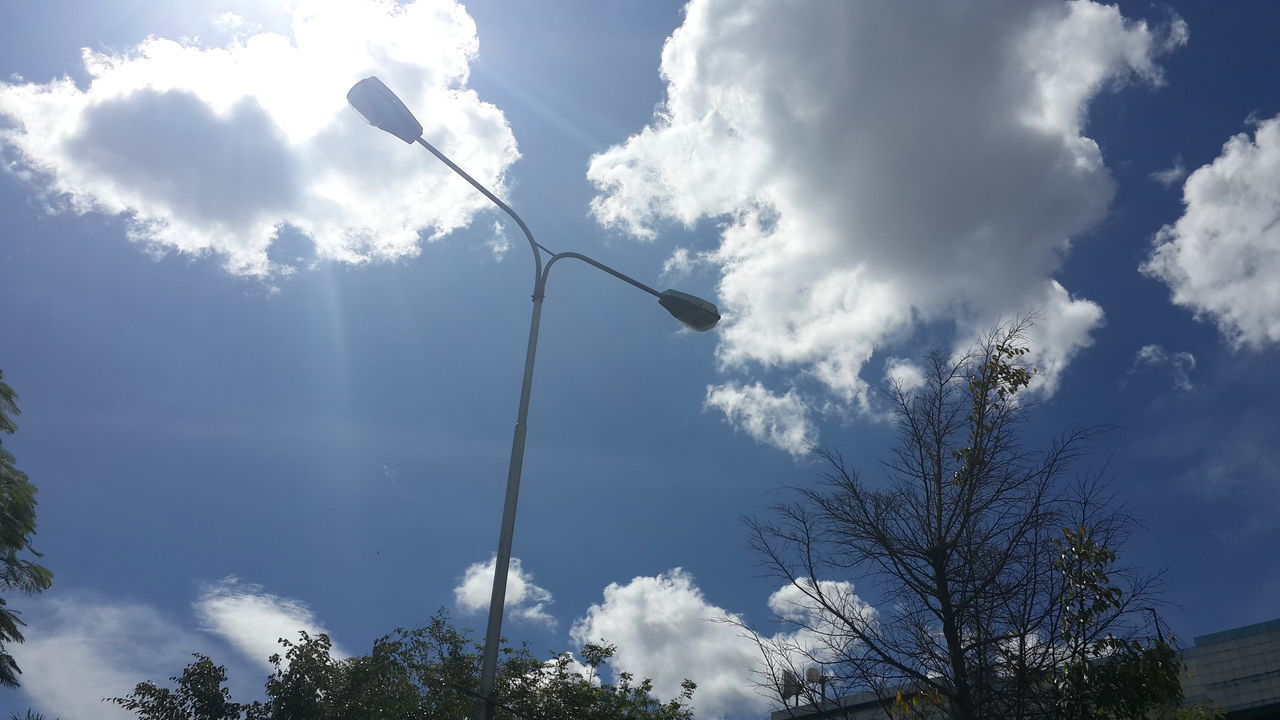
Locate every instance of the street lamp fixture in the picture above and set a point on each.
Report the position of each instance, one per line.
(381, 108)
(692, 311)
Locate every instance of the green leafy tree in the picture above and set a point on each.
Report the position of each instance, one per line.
(428, 673)
(199, 694)
(18, 572)
(1103, 675)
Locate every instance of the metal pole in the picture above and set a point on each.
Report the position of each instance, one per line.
(486, 704)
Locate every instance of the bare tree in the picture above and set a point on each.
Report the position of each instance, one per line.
(977, 586)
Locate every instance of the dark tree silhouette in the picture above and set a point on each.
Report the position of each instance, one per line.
(18, 572)
(429, 673)
(997, 589)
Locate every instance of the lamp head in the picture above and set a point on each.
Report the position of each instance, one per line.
(382, 109)
(693, 312)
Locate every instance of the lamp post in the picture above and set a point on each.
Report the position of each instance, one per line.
(381, 108)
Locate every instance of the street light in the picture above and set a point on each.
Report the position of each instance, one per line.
(381, 108)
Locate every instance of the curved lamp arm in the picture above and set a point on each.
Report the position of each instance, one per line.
(596, 263)
(533, 244)
(692, 311)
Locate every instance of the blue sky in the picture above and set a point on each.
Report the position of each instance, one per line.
(268, 357)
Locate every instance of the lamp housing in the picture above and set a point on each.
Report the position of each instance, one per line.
(693, 312)
(382, 109)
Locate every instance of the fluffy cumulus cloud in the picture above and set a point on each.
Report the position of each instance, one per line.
(778, 420)
(525, 599)
(218, 149)
(252, 620)
(666, 630)
(877, 167)
(1221, 259)
(820, 606)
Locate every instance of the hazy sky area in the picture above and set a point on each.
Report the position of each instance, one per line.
(268, 357)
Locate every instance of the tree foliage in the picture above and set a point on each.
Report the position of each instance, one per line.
(428, 673)
(986, 606)
(1103, 675)
(18, 571)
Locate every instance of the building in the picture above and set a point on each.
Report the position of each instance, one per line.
(1238, 670)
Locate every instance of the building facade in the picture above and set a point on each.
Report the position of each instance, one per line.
(1239, 670)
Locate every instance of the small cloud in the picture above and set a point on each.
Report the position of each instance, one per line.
(681, 263)
(903, 374)
(1063, 326)
(573, 667)
(253, 620)
(525, 599)
(229, 21)
(795, 602)
(499, 244)
(1172, 175)
(778, 420)
(1180, 364)
(382, 471)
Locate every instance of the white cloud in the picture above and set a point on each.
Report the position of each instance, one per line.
(879, 166)
(253, 620)
(499, 243)
(525, 600)
(1180, 364)
(80, 650)
(778, 420)
(796, 602)
(216, 149)
(904, 374)
(680, 263)
(1061, 330)
(819, 613)
(573, 667)
(1221, 259)
(1172, 175)
(229, 22)
(664, 629)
